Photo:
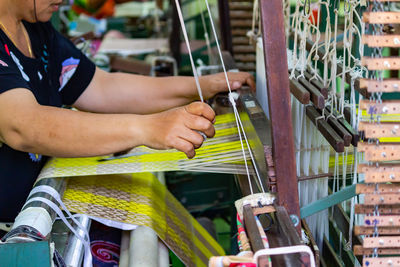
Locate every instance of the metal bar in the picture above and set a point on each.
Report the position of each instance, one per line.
(273, 33)
(329, 201)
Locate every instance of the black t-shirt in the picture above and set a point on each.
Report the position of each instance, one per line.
(57, 76)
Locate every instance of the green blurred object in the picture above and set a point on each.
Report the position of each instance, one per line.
(32, 254)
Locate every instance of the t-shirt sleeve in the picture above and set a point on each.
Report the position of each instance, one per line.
(74, 68)
(10, 76)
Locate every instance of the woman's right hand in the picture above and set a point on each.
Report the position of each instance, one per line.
(179, 128)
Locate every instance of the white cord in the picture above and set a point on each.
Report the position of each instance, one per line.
(196, 77)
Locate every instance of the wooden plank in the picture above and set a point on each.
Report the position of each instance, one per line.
(377, 199)
(381, 40)
(384, 63)
(382, 220)
(378, 189)
(380, 174)
(359, 250)
(378, 130)
(385, 107)
(299, 92)
(323, 89)
(316, 97)
(386, 86)
(340, 130)
(225, 27)
(325, 129)
(382, 242)
(365, 230)
(381, 17)
(274, 40)
(383, 209)
(354, 134)
(381, 262)
(381, 152)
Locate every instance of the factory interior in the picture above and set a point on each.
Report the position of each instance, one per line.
(302, 168)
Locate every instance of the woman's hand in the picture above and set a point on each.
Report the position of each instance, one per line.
(216, 83)
(178, 128)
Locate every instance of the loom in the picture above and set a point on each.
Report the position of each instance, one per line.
(304, 133)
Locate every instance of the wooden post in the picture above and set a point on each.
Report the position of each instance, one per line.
(225, 22)
(273, 33)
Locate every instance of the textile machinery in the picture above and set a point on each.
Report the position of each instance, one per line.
(297, 148)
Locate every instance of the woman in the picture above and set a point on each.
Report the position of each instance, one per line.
(40, 71)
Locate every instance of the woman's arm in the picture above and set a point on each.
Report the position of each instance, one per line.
(27, 126)
(128, 93)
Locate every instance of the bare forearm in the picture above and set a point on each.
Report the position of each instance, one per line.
(127, 93)
(66, 133)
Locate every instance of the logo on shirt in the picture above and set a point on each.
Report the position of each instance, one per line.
(68, 69)
(3, 63)
(20, 67)
(35, 157)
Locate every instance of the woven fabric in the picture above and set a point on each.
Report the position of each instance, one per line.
(140, 199)
(221, 154)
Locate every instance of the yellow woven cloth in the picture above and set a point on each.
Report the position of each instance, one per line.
(141, 199)
(221, 154)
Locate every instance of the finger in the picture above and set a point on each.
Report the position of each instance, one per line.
(201, 109)
(184, 146)
(194, 137)
(200, 124)
(250, 81)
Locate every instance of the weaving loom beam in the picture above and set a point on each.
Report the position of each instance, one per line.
(323, 89)
(378, 262)
(381, 152)
(340, 130)
(299, 92)
(383, 209)
(359, 250)
(385, 86)
(273, 35)
(385, 63)
(325, 129)
(315, 95)
(381, 17)
(369, 230)
(329, 201)
(386, 107)
(383, 129)
(381, 40)
(347, 126)
(381, 173)
(253, 234)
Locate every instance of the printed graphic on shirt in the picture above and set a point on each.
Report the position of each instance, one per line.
(35, 157)
(68, 69)
(40, 75)
(20, 67)
(3, 63)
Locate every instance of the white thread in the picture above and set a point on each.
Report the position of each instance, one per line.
(87, 261)
(196, 78)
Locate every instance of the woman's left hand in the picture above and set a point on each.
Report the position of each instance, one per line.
(216, 83)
